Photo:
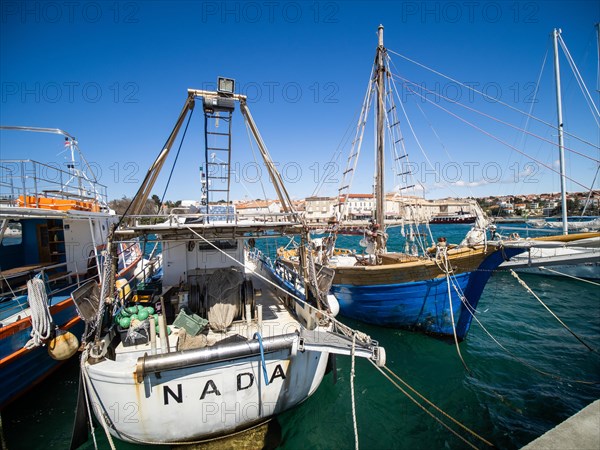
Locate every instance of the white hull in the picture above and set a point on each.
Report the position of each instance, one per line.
(198, 403)
(221, 395)
(573, 260)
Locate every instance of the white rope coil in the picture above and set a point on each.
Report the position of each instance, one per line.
(41, 319)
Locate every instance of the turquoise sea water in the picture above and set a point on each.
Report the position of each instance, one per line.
(503, 396)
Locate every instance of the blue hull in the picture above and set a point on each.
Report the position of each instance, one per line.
(20, 369)
(421, 305)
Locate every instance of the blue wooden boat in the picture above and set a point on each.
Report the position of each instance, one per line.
(434, 290)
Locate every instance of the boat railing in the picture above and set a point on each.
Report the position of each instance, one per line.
(143, 274)
(34, 184)
(179, 219)
(73, 279)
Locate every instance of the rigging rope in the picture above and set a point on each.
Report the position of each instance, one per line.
(84, 357)
(528, 289)
(443, 252)
(41, 319)
(102, 418)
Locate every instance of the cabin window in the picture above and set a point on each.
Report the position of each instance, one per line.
(13, 235)
(221, 244)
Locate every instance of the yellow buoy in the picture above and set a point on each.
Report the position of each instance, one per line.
(63, 346)
(123, 288)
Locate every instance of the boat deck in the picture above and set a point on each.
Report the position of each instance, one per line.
(276, 320)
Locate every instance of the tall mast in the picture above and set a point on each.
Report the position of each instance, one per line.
(598, 48)
(379, 182)
(561, 144)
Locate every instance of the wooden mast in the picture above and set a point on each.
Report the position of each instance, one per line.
(379, 181)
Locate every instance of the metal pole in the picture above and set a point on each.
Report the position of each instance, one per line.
(561, 144)
(379, 182)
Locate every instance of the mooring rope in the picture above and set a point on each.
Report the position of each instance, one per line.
(352, 374)
(448, 269)
(101, 417)
(528, 289)
(437, 408)
(84, 357)
(437, 419)
(515, 357)
(41, 319)
(570, 276)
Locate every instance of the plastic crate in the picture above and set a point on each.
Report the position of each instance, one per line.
(193, 324)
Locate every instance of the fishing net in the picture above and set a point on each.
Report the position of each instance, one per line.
(223, 297)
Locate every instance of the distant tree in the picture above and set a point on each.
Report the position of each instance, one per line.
(573, 206)
(120, 205)
(157, 202)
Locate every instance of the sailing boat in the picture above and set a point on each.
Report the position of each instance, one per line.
(574, 255)
(436, 293)
(232, 349)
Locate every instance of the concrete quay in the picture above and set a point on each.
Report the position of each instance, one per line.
(580, 431)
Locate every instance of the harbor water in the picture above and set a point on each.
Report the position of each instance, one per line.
(524, 377)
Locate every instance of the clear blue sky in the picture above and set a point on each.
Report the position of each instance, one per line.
(115, 74)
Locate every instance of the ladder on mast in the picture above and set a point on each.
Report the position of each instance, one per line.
(217, 144)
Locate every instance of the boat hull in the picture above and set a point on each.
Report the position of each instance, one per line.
(421, 305)
(20, 368)
(193, 404)
(578, 256)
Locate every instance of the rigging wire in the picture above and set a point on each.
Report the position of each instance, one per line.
(262, 186)
(498, 139)
(489, 97)
(389, 96)
(580, 81)
(491, 117)
(410, 126)
(523, 136)
(162, 200)
(335, 157)
(570, 276)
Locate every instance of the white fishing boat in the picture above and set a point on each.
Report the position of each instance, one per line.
(230, 349)
(53, 226)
